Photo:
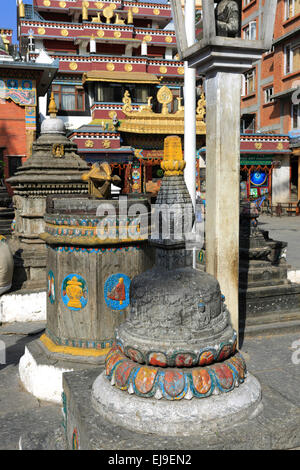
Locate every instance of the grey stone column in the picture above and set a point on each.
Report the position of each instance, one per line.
(222, 183)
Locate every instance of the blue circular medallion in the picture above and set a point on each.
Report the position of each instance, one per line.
(74, 292)
(258, 178)
(116, 291)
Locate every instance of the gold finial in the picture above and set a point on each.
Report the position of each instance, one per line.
(85, 12)
(5, 40)
(52, 110)
(173, 162)
(21, 9)
(129, 16)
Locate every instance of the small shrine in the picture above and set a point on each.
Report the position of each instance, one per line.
(266, 295)
(95, 245)
(52, 168)
(174, 368)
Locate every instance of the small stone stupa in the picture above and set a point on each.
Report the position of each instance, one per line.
(53, 168)
(174, 368)
(267, 297)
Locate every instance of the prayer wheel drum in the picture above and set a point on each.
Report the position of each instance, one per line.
(91, 261)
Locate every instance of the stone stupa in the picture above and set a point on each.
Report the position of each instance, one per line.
(53, 168)
(174, 368)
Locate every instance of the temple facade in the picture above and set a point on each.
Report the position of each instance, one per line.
(119, 89)
(112, 54)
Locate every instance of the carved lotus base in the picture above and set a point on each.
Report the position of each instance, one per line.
(174, 383)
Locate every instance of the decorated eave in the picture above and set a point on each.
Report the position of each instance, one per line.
(100, 31)
(42, 73)
(154, 10)
(145, 121)
(262, 144)
(91, 138)
(120, 77)
(78, 64)
(265, 143)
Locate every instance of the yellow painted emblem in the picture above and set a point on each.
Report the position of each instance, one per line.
(163, 69)
(73, 66)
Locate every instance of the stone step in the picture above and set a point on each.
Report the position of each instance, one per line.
(275, 328)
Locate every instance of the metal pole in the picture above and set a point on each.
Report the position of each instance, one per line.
(190, 111)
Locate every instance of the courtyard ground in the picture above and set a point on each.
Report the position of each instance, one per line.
(273, 359)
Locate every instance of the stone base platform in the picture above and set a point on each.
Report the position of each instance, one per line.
(269, 309)
(277, 426)
(23, 305)
(41, 369)
(176, 417)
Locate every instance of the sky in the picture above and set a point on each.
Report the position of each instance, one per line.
(8, 16)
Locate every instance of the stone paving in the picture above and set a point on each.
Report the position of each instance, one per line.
(273, 359)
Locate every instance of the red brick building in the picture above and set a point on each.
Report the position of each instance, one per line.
(269, 103)
(21, 83)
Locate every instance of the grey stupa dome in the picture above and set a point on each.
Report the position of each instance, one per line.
(53, 125)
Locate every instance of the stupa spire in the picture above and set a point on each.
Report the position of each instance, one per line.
(52, 110)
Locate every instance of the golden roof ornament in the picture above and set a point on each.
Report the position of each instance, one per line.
(164, 97)
(108, 13)
(145, 120)
(201, 107)
(173, 163)
(85, 12)
(21, 9)
(127, 108)
(4, 40)
(129, 16)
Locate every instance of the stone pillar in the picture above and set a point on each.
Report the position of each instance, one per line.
(222, 183)
(281, 182)
(190, 107)
(190, 111)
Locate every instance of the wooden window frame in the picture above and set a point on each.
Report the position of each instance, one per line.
(78, 91)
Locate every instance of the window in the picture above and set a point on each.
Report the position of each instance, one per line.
(114, 92)
(292, 58)
(248, 123)
(269, 92)
(295, 116)
(246, 2)
(68, 97)
(250, 31)
(292, 8)
(249, 82)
